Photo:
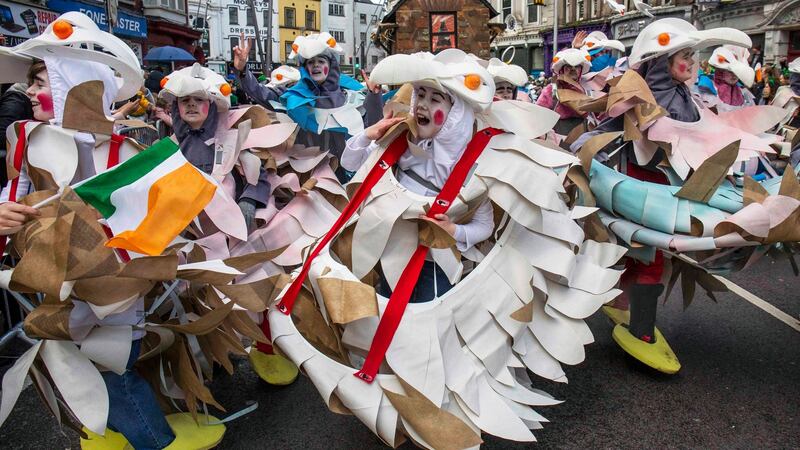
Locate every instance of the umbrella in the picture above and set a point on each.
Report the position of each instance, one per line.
(168, 54)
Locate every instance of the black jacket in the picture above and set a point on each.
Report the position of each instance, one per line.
(14, 106)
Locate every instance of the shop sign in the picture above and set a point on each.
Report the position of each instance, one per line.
(127, 24)
(19, 23)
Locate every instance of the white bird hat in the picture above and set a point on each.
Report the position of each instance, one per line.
(733, 59)
(670, 35)
(451, 70)
(317, 44)
(572, 57)
(74, 35)
(511, 73)
(197, 80)
(284, 75)
(598, 41)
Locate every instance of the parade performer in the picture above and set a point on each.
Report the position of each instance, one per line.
(672, 190)
(200, 103)
(508, 78)
(328, 107)
(605, 63)
(116, 342)
(728, 89)
(456, 357)
(568, 67)
(325, 103)
(788, 98)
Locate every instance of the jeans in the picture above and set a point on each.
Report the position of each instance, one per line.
(133, 408)
(432, 283)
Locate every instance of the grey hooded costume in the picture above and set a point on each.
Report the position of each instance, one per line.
(674, 97)
(201, 155)
(328, 95)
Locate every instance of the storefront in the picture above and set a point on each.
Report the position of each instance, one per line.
(626, 28)
(130, 27)
(18, 22)
(524, 49)
(161, 33)
(773, 26)
(565, 37)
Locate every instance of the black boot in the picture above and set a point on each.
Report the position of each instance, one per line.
(643, 304)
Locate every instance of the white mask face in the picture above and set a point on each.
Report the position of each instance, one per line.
(504, 90)
(318, 68)
(431, 109)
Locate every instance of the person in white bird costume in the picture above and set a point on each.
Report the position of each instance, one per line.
(456, 267)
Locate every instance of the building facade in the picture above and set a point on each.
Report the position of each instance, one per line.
(774, 26)
(337, 19)
(168, 24)
(367, 16)
(295, 18)
(222, 23)
(434, 25)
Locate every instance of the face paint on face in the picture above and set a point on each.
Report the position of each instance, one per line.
(318, 68)
(504, 90)
(41, 97)
(681, 65)
(430, 111)
(193, 110)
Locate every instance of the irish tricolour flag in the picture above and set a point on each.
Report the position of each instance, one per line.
(149, 199)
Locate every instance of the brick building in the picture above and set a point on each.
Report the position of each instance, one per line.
(434, 25)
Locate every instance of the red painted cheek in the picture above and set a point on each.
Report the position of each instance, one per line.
(205, 108)
(682, 67)
(438, 117)
(325, 71)
(45, 101)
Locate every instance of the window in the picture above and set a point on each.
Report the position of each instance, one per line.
(311, 20)
(251, 17)
(253, 47)
(363, 18)
(287, 47)
(374, 59)
(506, 8)
(233, 16)
(533, 11)
(265, 14)
(336, 10)
(443, 31)
(338, 35)
(363, 37)
(177, 5)
(581, 11)
(288, 17)
(234, 43)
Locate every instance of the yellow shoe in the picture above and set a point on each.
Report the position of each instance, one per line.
(617, 315)
(193, 435)
(657, 355)
(188, 435)
(274, 369)
(111, 441)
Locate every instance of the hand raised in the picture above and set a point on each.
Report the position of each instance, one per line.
(241, 53)
(371, 86)
(580, 36)
(377, 131)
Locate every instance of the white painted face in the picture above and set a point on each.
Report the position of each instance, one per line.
(430, 111)
(193, 110)
(318, 68)
(504, 90)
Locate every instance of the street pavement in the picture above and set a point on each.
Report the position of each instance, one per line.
(738, 388)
